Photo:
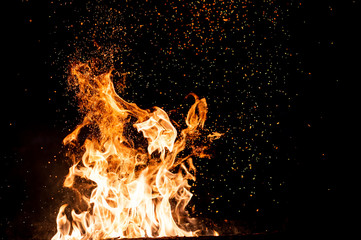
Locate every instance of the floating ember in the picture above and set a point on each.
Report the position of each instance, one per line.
(135, 189)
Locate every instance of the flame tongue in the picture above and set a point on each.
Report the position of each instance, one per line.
(135, 193)
(160, 132)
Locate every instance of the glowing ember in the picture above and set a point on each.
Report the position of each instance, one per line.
(136, 191)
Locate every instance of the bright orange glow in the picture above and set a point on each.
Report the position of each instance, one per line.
(134, 190)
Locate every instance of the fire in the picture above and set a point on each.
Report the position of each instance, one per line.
(134, 190)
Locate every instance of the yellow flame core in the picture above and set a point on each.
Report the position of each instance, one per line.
(136, 192)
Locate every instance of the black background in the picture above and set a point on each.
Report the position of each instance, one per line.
(36, 114)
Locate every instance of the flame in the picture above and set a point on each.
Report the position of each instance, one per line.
(136, 191)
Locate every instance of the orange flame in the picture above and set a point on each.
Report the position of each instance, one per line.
(136, 192)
